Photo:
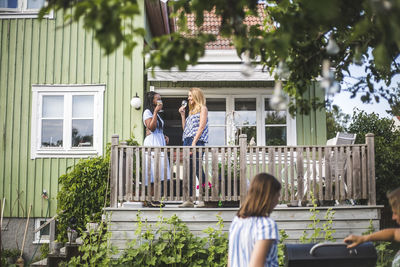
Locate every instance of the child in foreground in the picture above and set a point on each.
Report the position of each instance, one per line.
(391, 234)
(253, 235)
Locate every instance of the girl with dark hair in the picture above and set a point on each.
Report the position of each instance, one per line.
(154, 131)
(253, 235)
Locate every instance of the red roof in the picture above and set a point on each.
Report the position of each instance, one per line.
(212, 23)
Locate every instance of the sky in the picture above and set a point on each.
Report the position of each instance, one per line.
(348, 104)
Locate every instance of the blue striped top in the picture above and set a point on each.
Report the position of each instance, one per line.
(192, 126)
(244, 233)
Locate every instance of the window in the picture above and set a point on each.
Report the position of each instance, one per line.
(21, 8)
(67, 121)
(275, 125)
(245, 118)
(216, 121)
(42, 236)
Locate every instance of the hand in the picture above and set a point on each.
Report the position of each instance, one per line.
(158, 107)
(354, 240)
(182, 111)
(166, 139)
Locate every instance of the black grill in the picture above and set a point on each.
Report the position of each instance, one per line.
(330, 255)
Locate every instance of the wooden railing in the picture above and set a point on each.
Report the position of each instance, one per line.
(330, 172)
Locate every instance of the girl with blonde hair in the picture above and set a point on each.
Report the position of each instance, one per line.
(253, 235)
(195, 131)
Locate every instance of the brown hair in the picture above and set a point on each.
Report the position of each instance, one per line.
(394, 199)
(259, 199)
(198, 99)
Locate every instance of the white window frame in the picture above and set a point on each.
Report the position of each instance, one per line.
(67, 151)
(291, 136)
(41, 239)
(22, 11)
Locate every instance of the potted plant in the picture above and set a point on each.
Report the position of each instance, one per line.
(72, 235)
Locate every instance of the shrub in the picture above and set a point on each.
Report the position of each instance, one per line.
(170, 243)
(387, 147)
(83, 194)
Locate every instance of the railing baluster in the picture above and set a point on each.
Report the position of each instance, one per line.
(200, 174)
(157, 174)
(214, 187)
(286, 174)
(341, 174)
(144, 177)
(356, 172)
(321, 181)
(137, 171)
(194, 173)
(349, 178)
(328, 176)
(129, 173)
(251, 165)
(364, 194)
(114, 172)
(223, 163)
(314, 172)
(121, 175)
(307, 173)
(206, 187)
(257, 159)
(178, 174)
(263, 160)
(229, 162)
(279, 171)
(165, 183)
(235, 178)
(171, 174)
(292, 167)
(300, 174)
(186, 173)
(148, 177)
(271, 161)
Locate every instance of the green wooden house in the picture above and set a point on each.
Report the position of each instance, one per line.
(61, 99)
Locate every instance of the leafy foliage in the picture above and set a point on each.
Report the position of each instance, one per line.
(385, 254)
(170, 243)
(83, 194)
(96, 250)
(294, 32)
(318, 233)
(387, 147)
(9, 256)
(336, 121)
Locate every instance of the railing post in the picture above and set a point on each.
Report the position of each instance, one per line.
(369, 140)
(114, 171)
(243, 165)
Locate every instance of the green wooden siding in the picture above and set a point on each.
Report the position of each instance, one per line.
(311, 128)
(49, 52)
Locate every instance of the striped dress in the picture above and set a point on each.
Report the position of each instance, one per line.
(192, 126)
(244, 233)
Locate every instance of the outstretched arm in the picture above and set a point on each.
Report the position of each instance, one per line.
(391, 234)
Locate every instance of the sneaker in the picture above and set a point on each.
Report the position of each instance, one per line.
(200, 204)
(187, 204)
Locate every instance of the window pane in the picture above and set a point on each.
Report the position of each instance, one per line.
(53, 107)
(216, 111)
(245, 111)
(8, 3)
(82, 133)
(52, 133)
(275, 136)
(35, 4)
(82, 106)
(216, 136)
(272, 116)
(249, 131)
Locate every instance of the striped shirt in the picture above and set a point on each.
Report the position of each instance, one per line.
(244, 233)
(192, 125)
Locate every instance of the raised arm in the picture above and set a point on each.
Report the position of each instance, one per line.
(151, 123)
(391, 234)
(202, 125)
